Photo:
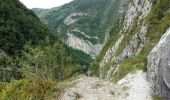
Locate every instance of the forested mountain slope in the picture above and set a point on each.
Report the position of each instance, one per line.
(32, 59)
(121, 36)
(118, 34)
(17, 26)
(85, 24)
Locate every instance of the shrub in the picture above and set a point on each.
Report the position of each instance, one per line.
(35, 89)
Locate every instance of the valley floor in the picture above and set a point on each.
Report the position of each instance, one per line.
(133, 87)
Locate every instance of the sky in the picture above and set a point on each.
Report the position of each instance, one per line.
(44, 3)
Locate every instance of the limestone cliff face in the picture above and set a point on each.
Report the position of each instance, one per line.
(136, 13)
(159, 67)
(83, 45)
(84, 23)
(80, 43)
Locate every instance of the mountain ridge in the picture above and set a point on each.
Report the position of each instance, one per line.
(127, 42)
(81, 17)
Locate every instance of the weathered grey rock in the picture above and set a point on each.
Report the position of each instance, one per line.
(70, 96)
(137, 10)
(70, 20)
(2, 54)
(84, 45)
(159, 67)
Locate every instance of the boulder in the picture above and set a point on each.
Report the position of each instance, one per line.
(2, 54)
(158, 72)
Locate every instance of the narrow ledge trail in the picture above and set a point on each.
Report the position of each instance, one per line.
(132, 87)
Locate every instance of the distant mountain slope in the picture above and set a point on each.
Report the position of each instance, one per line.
(19, 25)
(84, 23)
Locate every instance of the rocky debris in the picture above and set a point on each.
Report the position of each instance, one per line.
(70, 96)
(133, 87)
(90, 89)
(113, 69)
(159, 67)
(83, 45)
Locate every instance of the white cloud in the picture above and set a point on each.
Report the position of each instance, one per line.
(44, 3)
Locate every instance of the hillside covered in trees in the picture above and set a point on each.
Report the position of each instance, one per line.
(32, 58)
(85, 50)
(18, 26)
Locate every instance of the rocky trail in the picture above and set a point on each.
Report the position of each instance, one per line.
(133, 87)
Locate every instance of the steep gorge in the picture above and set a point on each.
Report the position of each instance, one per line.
(86, 25)
(109, 50)
(118, 37)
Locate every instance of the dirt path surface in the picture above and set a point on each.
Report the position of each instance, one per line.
(132, 87)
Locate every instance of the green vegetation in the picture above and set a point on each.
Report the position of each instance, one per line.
(35, 61)
(158, 21)
(80, 57)
(17, 26)
(105, 69)
(35, 74)
(128, 36)
(113, 34)
(100, 15)
(93, 40)
(157, 98)
(50, 62)
(30, 90)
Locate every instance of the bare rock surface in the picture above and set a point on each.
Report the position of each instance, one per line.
(2, 54)
(159, 67)
(83, 45)
(133, 87)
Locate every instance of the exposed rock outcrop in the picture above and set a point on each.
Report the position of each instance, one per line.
(83, 45)
(2, 54)
(138, 8)
(80, 43)
(136, 13)
(69, 19)
(134, 47)
(159, 67)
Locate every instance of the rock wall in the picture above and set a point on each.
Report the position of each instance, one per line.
(83, 45)
(77, 42)
(159, 67)
(137, 10)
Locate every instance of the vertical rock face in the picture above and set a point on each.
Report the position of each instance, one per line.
(80, 43)
(135, 14)
(87, 21)
(83, 45)
(159, 67)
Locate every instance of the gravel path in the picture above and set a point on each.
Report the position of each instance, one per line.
(132, 87)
